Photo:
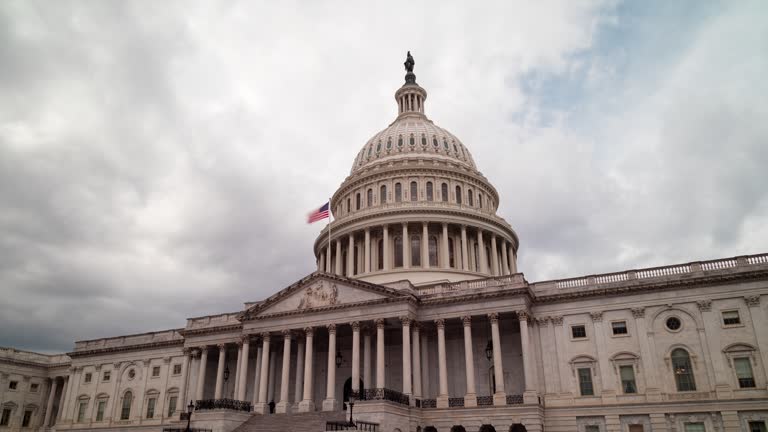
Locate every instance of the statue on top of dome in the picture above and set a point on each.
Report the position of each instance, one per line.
(409, 63)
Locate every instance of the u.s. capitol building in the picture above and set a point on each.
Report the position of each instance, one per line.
(418, 311)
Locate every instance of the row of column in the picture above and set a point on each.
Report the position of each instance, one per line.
(503, 259)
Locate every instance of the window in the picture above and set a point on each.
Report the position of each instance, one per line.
(381, 254)
(414, 191)
(415, 250)
(451, 258)
(100, 410)
(430, 192)
(125, 412)
(592, 428)
(88, 377)
(423, 140)
(172, 405)
(400, 141)
(13, 385)
(398, 192)
(369, 198)
(636, 428)
(578, 331)
(6, 417)
(398, 251)
(458, 194)
(378, 147)
(434, 140)
(34, 387)
(731, 318)
(470, 198)
(433, 251)
(673, 323)
(151, 407)
(411, 141)
(156, 371)
(81, 411)
(619, 327)
(695, 427)
(445, 144)
(383, 194)
(132, 373)
(681, 365)
(177, 369)
(627, 374)
(26, 419)
(389, 143)
(444, 192)
(357, 201)
(744, 372)
(107, 375)
(479, 200)
(585, 382)
(757, 426)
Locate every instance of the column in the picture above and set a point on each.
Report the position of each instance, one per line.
(512, 261)
(385, 249)
(356, 358)
(307, 404)
(425, 245)
(49, 406)
(367, 248)
(550, 360)
(712, 329)
(201, 373)
(464, 252)
(425, 388)
(284, 406)
(608, 392)
(257, 376)
(299, 385)
(494, 257)
(367, 358)
(445, 255)
(351, 256)
(261, 406)
(500, 397)
(481, 251)
(330, 403)
(529, 395)
(649, 371)
(243, 374)
(74, 382)
(321, 261)
(63, 399)
(220, 371)
(237, 370)
(338, 257)
(407, 390)
(416, 366)
(184, 377)
(406, 247)
(442, 394)
(328, 257)
(504, 257)
(759, 324)
(470, 399)
(380, 353)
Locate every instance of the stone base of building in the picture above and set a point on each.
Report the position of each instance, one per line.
(283, 408)
(306, 406)
(331, 405)
(261, 408)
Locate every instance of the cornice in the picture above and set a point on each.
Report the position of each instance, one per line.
(482, 295)
(210, 330)
(117, 349)
(16, 362)
(343, 306)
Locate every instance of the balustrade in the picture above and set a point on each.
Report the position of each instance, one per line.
(228, 404)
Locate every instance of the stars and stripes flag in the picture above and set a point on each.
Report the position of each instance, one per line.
(319, 214)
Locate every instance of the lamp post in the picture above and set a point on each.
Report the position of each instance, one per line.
(489, 351)
(339, 359)
(351, 406)
(190, 408)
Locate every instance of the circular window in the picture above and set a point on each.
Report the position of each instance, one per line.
(131, 373)
(673, 323)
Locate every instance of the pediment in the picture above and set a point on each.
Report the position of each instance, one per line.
(322, 291)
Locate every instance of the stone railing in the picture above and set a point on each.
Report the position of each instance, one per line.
(213, 321)
(484, 400)
(382, 394)
(514, 399)
(698, 267)
(356, 426)
(455, 402)
(446, 288)
(225, 404)
(129, 340)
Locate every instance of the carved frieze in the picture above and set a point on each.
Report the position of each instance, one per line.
(638, 312)
(752, 300)
(596, 316)
(319, 295)
(557, 320)
(704, 305)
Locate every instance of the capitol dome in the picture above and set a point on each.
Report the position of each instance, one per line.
(415, 207)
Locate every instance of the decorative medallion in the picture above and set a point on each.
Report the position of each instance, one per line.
(319, 296)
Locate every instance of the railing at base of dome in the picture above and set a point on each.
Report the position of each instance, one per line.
(514, 399)
(429, 403)
(455, 402)
(356, 426)
(228, 404)
(185, 429)
(382, 394)
(484, 400)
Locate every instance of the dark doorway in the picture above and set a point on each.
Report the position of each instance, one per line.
(348, 391)
(430, 429)
(517, 427)
(487, 428)
(458, 428)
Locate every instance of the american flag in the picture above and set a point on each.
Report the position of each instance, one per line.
(318, 214)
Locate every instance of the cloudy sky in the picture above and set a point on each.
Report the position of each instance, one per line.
(158, 159)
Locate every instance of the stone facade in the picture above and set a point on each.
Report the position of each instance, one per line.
(435, 331)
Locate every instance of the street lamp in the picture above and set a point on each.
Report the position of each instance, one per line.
(351, 405)
(226, 373)
(489, 351)
(190, 408)
(338, 359)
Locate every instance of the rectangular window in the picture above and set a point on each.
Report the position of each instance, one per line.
(100, 410)
(636, 428)
(107, 375)
(744, 372)
(619, 327)
(156, 371)
(81, 411)
(34, 387)
(151, 408)
(694, 427)
(585, 382)
(88, 377)
(177, 369)
(592, 428)
(13, 385)
(578, 331)
(628, 379)
(172, 405)
(757, 426)
(731, 318)
(26, 419)
(6, 417)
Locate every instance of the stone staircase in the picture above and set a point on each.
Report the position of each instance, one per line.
(297, 422)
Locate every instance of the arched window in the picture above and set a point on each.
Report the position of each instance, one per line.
(378, 147)
(370, 149)
(451, 262)
(433, 251)
(400, 141)
(357, 201)
(125, 412)
(430, 192)
(434, 141)
(470, 198)
(458, 194)
(415, 250)
(477, 257)
(380, 254)
(344, 262)
(412, 141)
(349, 205)
(681, 365)
(389, 143)
(398, 251)
(383, 194)
(398, 192)
(445, 144)
(414, 191)
(354, 261)
(369, 198)
(423, 140)
(444, 192)
(488, 256)
(480, 200)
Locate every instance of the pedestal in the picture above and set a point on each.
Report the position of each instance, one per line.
(470, 400)
(500, 398)
(442, 402)
(306, 406)
(283, 408)
(261, 408)
(331, 405)
(531, 397)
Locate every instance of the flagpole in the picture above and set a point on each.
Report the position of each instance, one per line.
(327, 259)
